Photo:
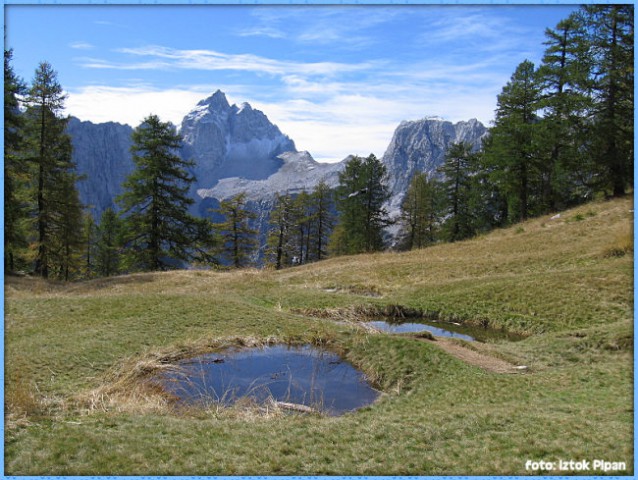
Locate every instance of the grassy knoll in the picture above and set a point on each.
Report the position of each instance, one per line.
(77, 357)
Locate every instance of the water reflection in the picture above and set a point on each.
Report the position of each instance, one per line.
(396, 327)
(301, 375)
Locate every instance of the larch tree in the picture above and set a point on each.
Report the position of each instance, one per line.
(457, 169)
(564, 77)
(611, 46)
(108, 244)
(361, 195)
(322, 205)
(52, 170)
(421, 211)
(15, 167)
(278, 249)
(513, 150)
(238, 238)
(160, 234)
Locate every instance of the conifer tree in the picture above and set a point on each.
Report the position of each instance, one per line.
(322, 205)
(53, 171)
(360, 198)
(67, 229)
(457, 170)
(564, 79)
(238, 239)
(421, 211)
(15, 167)
(611, 42)
(159, 231)
(108, 244)
(90, 238)
(302, 221)
(513, 151)
(278, 251)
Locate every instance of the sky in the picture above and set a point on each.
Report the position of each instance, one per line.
(337, 79)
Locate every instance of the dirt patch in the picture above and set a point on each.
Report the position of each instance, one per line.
(476, 358)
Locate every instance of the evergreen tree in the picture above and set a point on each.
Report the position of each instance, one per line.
(53, 171)
(66, 229)
(611, 41)
(563, 77)
(90, 239)
(421, 211)
(159, 231)
(302, 221)
(278, 251)
(513, 151)
(360, 198)
(238, 238)
(457, 171)
(487, 205)
(15, 167)
(107, 244)
(322, 205)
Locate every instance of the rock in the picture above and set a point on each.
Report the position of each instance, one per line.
(295, 407)
(102, 154)
(420, 146)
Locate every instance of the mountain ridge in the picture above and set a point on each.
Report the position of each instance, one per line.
(237, 149)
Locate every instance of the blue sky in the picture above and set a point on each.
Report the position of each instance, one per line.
(337, 80)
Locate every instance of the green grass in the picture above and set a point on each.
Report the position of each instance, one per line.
(77, 356)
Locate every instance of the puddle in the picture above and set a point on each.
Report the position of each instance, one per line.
(416, 328)
(301, 376)
(450, 330)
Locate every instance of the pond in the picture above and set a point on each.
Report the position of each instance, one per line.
(442, 329)
(300, 376)
(395, 327)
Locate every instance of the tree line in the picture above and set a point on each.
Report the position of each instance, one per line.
(563, 134)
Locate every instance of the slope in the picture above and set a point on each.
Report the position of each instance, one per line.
(77, 357)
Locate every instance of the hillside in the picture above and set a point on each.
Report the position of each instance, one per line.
(78, 359)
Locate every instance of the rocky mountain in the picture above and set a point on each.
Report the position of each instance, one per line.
(298, 172)
(102, 155)
(420, 146)
(237, 149)
(227, 141)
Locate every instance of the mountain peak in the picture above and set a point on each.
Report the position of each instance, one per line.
(216, 101)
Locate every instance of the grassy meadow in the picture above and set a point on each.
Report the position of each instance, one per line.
(79, 357)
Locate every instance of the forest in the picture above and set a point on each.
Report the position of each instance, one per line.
(562, 135)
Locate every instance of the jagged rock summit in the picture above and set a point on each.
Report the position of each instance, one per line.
(420, 146)
(229, 141)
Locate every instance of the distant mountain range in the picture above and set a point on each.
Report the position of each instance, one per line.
(237, 149)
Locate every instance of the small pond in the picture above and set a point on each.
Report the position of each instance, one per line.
(299, 375)
(395, 327)
(442, 329)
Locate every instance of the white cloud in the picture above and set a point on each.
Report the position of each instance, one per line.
(362, 124)
(315, 25)
(329, 116)
(131, 105)
(81, 46)
(261, 31)
(169, 58)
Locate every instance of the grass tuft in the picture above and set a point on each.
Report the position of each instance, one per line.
(622, 245)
